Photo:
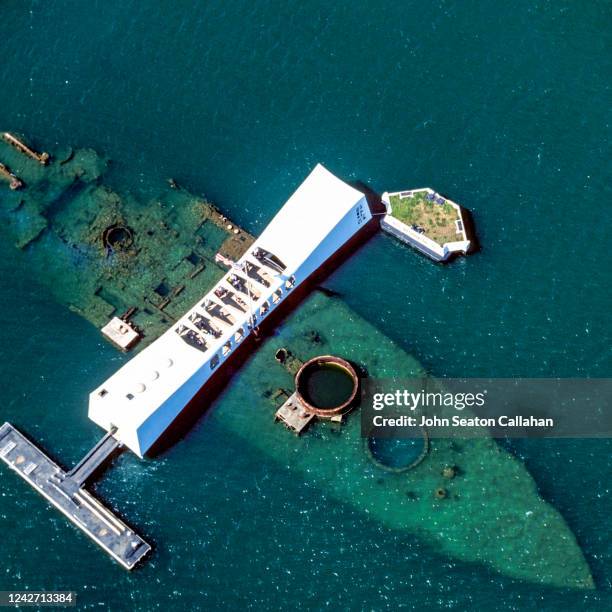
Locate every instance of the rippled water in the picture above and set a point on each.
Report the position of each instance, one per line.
(504, 108)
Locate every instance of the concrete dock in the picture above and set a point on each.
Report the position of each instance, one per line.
(65, 490)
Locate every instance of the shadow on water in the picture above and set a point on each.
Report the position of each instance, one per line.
(470, 230)
(374, 201)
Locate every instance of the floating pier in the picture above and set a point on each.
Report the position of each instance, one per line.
(41, 158)
(65, 490)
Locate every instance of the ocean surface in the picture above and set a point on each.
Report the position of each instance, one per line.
(503, 107)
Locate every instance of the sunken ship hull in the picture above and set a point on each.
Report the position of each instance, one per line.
(211, 387)
(322, 222)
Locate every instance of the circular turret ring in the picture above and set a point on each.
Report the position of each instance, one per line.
(323, 360)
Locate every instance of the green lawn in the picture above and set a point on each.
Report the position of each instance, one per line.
(437, 220)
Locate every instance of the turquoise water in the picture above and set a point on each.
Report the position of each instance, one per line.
(504, 108)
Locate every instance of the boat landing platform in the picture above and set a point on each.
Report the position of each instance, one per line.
(66, 492)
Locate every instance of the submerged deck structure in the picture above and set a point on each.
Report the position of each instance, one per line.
(144, 397)
(141, 261)
(323, 217)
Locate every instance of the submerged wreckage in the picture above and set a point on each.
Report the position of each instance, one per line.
(88, 223)
(193, 291)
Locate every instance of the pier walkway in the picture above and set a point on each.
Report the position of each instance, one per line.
(94, 459)
(65, 491)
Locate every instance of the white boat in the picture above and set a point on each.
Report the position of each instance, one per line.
(141, 400)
